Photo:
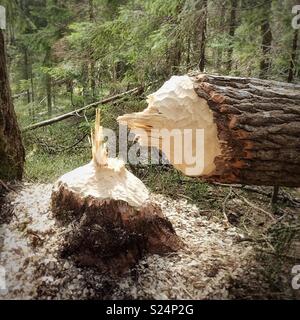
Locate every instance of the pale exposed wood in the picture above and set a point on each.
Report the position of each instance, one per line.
(171, 110)
(99, 149)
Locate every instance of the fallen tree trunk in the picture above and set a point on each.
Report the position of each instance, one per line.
(251, 127)
(85, 108)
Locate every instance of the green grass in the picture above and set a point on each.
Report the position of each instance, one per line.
(48, 152)
(43, 167)
(170, 182)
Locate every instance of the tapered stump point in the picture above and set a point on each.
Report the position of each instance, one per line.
(110, 219)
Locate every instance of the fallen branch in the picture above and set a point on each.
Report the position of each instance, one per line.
(74, 144)
(284, 196)
(277, 254)
(76, 112)
(255, 207)
(4, 186)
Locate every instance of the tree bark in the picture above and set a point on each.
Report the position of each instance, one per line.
(258, 124)
(111, 235)
(12, 153)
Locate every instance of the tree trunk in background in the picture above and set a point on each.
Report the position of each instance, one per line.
(174, 56)
(31, 83)
(49, 93)
(188, 54)
(92, 65)
(267, 38)
(48, 81)
(232, 28)
(219, 51)
(26, 73)
(12, 153)
(175, 49)
(70, 90)
(93, 82)
(53, 94)
(203, 22)
(85, 81)
(293, 57)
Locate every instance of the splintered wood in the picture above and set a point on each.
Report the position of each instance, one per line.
(99, 149)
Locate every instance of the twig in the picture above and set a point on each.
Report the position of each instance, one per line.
(75, 144)
(184, 196)
(255, 207)
(6, 187)
(284, 196)
(276, 254)
(33, 233)
(224, 204)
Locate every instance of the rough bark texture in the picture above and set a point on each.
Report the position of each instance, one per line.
(258, 125)
(110, 234)
(11, 147)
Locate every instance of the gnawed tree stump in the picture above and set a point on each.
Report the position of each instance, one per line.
(251, 127)
(111, 220)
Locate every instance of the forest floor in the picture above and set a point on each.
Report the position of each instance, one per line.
(249, 257)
